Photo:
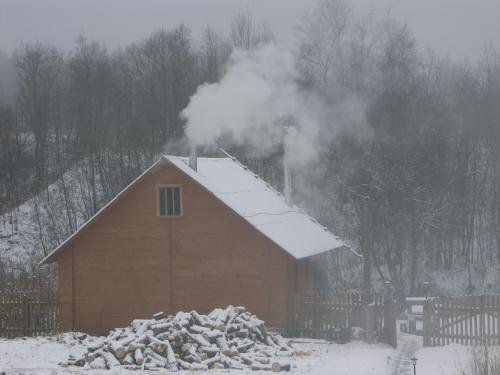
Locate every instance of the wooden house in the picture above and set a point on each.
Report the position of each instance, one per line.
(187, 235)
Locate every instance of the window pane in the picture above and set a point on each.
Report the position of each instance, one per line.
(177, 201)
(170, 206)
(161, 191)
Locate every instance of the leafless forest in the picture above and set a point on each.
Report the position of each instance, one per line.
(407, 172)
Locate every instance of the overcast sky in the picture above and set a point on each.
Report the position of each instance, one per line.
(456, 28)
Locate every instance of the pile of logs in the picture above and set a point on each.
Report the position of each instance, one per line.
(226, 338)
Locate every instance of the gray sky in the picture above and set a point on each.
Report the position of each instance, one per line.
(456, 28)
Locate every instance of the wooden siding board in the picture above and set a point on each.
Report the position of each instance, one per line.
(131, 263)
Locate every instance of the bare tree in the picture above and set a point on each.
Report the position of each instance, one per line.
(214, 54)
(246, 33)
(38, 67)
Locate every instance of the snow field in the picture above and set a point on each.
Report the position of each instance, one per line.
(42, 355)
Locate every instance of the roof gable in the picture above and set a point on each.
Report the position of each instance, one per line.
(260, 205)
(251, 198)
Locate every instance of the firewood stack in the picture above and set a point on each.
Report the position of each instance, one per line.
(226, 338)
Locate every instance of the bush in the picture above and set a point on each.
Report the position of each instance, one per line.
(484, 360)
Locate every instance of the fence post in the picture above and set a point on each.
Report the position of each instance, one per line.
(315, 316)
(291, 314)
(369, 319)
(390, 332)
(427, 329)
(482, 327)
(25, 312)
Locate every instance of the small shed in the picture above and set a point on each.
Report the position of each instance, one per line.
(182, 237)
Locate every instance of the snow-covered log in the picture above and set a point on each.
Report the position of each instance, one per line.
(98, 363)
(139, 358)
(192, 366)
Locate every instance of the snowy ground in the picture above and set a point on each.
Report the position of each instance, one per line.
(42, 355)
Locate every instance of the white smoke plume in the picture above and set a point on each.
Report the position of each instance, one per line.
(253, 102)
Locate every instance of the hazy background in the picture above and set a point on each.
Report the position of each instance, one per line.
(374, 116)
(455, 28)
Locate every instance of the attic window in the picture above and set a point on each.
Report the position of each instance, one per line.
(169, 200)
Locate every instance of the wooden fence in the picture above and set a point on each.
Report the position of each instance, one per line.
(326, 315)
(27, 313)
(466, 320)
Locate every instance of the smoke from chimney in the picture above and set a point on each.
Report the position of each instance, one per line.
(258, 95)
(249, 104)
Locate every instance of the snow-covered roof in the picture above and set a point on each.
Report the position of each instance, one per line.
(251, 198)
(259, 204)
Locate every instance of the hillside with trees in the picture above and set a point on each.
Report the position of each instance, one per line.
(408, 171)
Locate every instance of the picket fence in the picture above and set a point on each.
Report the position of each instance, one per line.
(466, 320)
(27, 313)
(330, 315)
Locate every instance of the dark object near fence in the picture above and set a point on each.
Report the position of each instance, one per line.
(27, 313)
(331, 316)
(466, 320)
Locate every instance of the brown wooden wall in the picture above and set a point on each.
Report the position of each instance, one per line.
(129, 263)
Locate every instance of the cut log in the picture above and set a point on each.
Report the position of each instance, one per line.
(192, 366)
(128, 359)
(138, 323)
(209, 362)
(152, 365)
(171, 360)
(89, 357)
(117, 349)
(143, 328)
(200, 339)
(284, 353)
(76, 361)
(260, 367)
(269, 341)
(266, 353)
(246, 359)
(231, 363)
(242, 333)
(98, 363)
(182, 323)
(218, 365)
(209, 350)
(157, 345)
(162, 361)
(245, 345)
(214, 314)
(161, 327)
(222, 344)
(193, 354)
(281, 366)
(110, 359)
(96, 345)
(228, 311)
(198, 329)
(158, 315)
(127, 339)
(139, 358)
(230, 328)
(135, 345)
(197, 318)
